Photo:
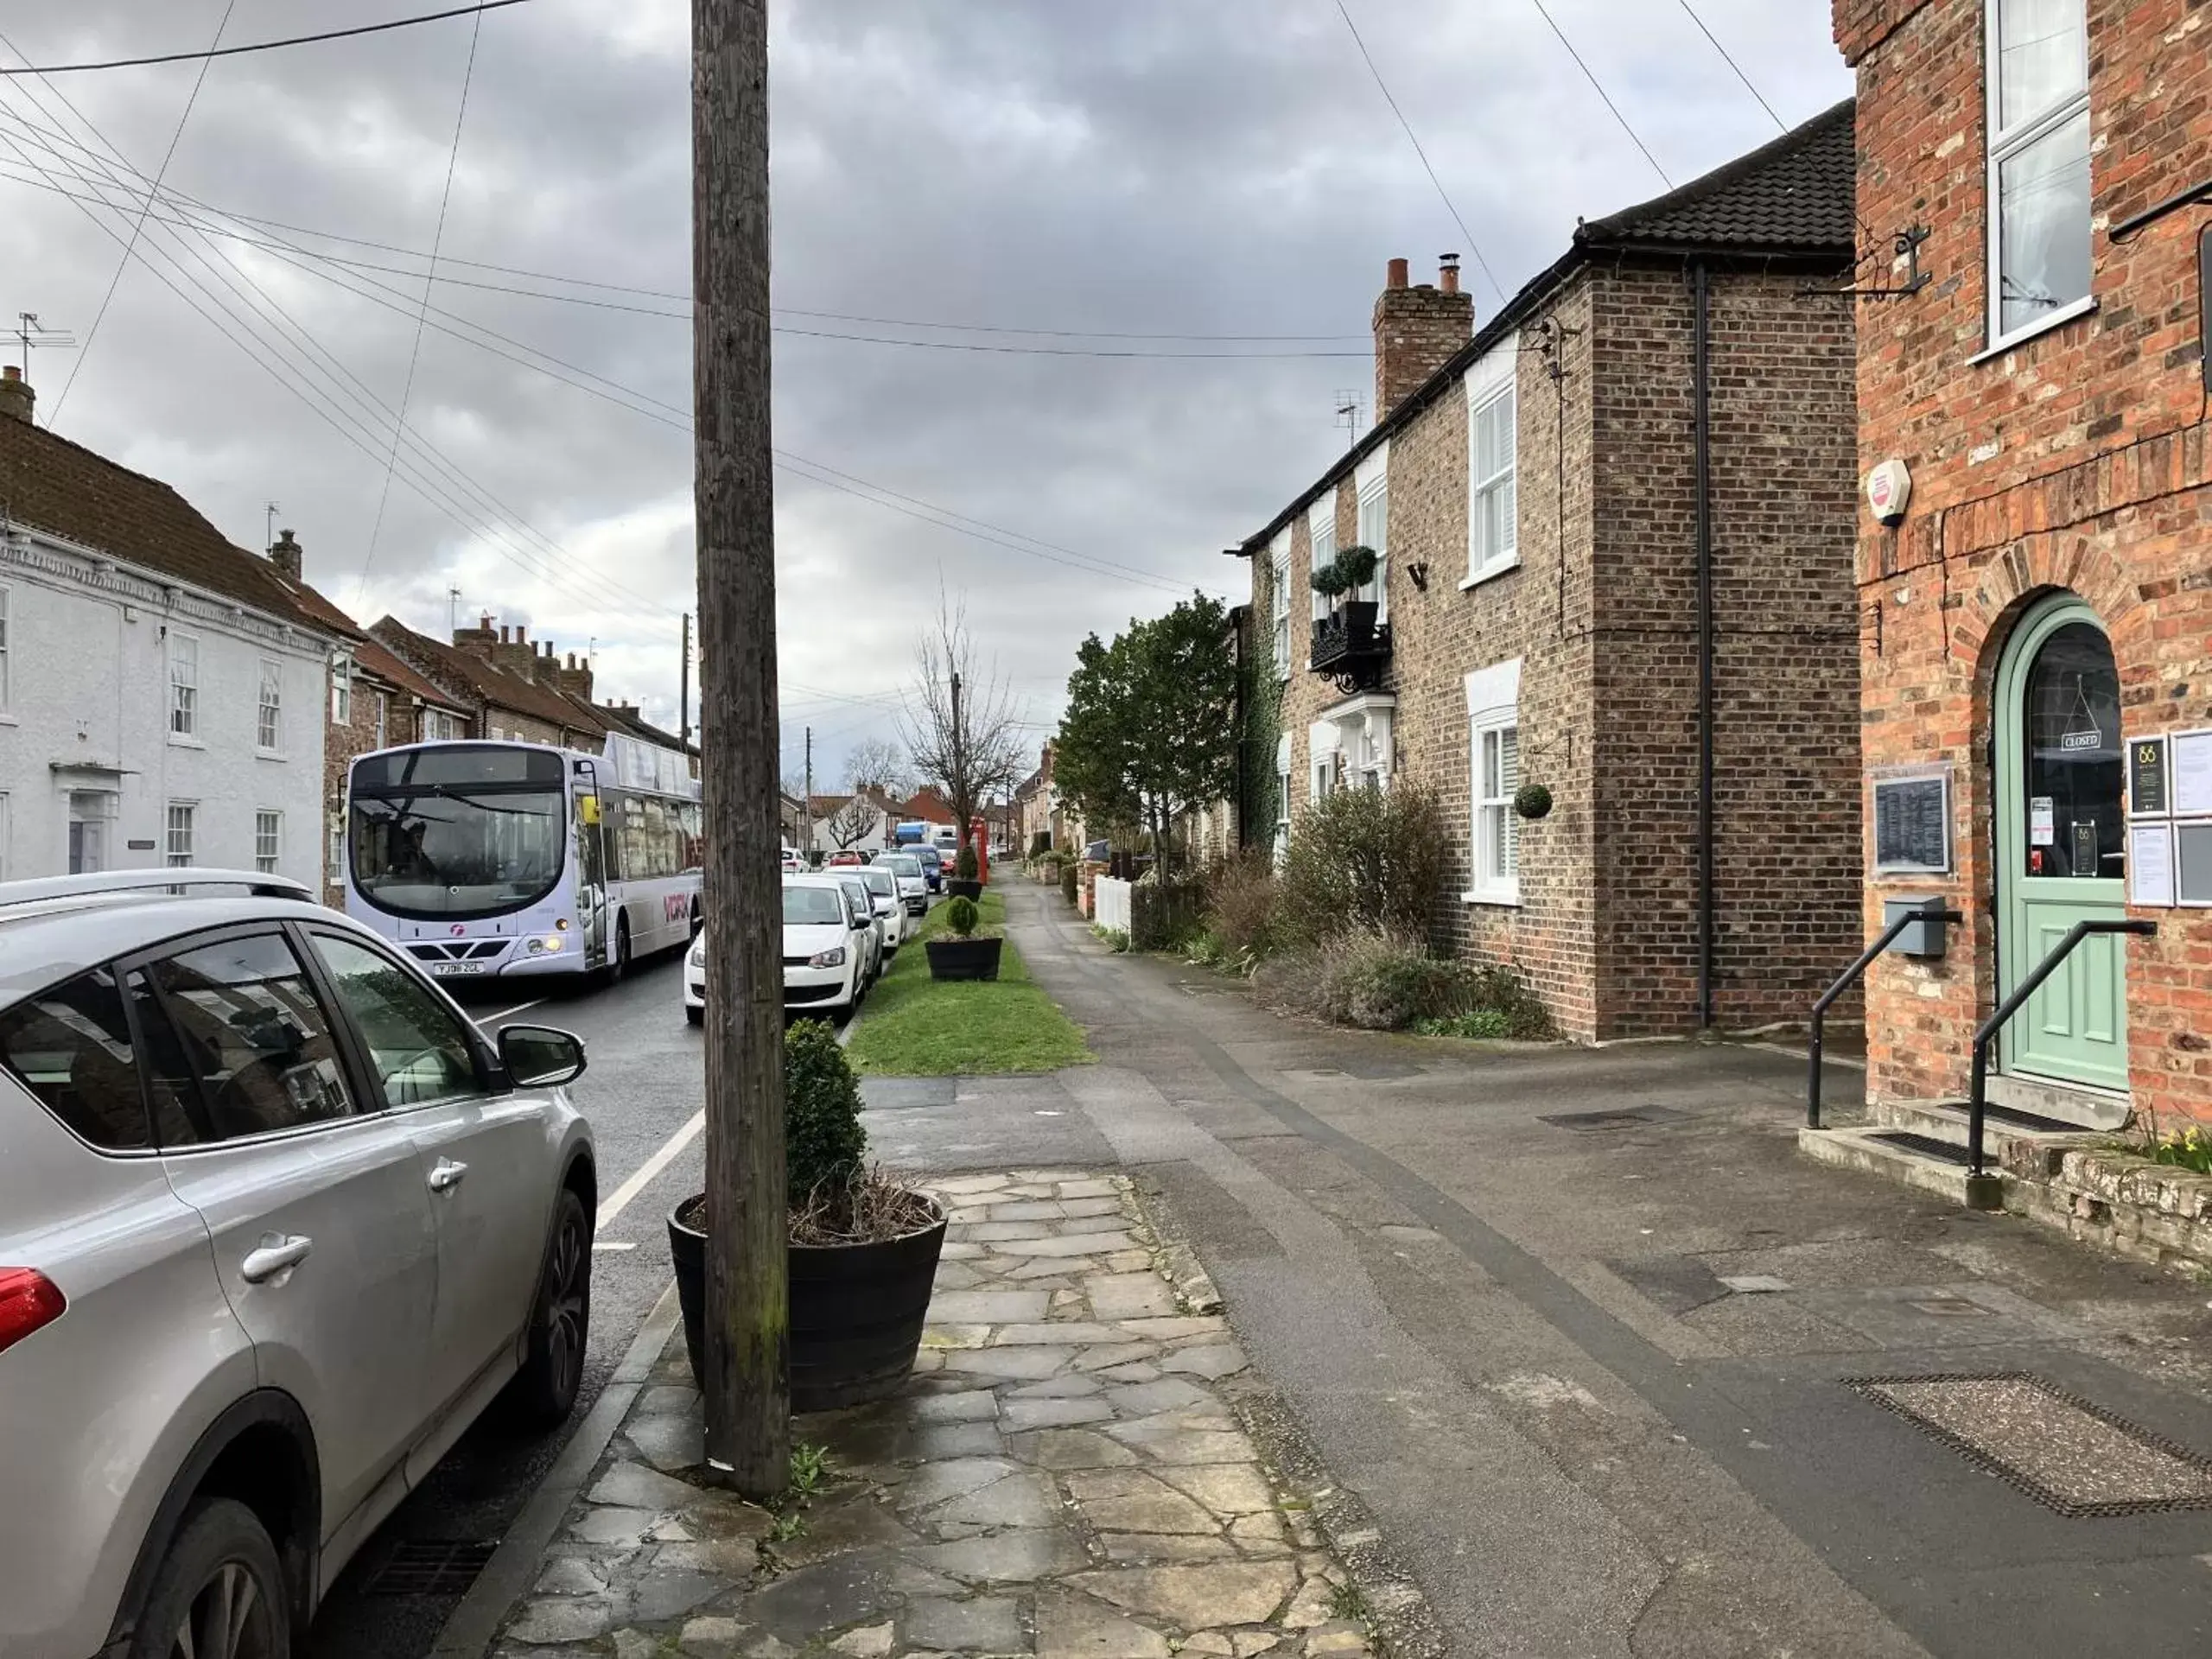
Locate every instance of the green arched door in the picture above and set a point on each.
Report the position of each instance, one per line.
(2060, 845)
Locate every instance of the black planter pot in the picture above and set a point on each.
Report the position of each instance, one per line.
(1359, 623)
(964, 958)
(956, 888)
(856, 1312)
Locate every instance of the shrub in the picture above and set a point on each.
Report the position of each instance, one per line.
(1163, 914)
(1501, 991)
(1384, 981)
(1241, 900)
(964, 863)
(1476, 1022)
(1040, 842)
(960, 917)
(1112, 938)
(824, 1140)
(1362, 858)
(1067, 880)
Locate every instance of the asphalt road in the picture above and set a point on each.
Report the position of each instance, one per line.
(643, 1088)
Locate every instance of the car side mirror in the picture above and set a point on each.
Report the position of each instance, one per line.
(540, 1057)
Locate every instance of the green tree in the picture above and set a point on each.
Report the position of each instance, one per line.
(1150, 732)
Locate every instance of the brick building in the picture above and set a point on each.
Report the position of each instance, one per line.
(374, 701)
(1534, 490)
(2041, 609)
(513, 687)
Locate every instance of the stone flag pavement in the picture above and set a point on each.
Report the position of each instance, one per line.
(1076, 1470)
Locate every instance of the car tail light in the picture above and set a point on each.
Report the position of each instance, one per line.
(28, 1300)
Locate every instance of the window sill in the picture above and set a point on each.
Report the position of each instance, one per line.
(270, 754)
(1490, 572)
(7, 719)
(1494, 898)
(2058, 318)
(178, 742)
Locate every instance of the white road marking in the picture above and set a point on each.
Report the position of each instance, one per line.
(619, 1199)
(504, 1014)
(614, 1244)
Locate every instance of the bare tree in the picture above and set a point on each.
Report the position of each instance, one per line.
(879, 764)
(855, 820)
(960, 725)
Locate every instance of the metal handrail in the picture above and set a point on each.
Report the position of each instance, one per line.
(1978, 1084)
(1883, 941)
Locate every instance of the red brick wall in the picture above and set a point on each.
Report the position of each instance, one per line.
(2076, 460)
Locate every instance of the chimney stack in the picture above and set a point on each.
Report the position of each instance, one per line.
(285, 553)
(15, 394)
(1417, 329)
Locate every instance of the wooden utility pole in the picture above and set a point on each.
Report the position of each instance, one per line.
(959, 767)
(806, 798)
(747, 1386)
(683, 694)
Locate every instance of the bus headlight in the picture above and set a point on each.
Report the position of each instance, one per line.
(539, 947)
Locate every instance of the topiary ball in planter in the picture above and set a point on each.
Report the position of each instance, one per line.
(964, 955)
(1355, 566)
(960, 918)
(823, 1138)
(1532, 801)
(1329, 582)
(963, 862)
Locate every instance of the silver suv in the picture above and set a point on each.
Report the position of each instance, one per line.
(277, 1223)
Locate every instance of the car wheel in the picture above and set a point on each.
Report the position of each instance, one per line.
(219, 1592)
(696, 1016)
(545, 1389)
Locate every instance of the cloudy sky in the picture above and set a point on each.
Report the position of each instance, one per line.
(1136, 183)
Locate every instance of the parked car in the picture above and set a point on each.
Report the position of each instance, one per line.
(913, 885)
(829, 940)
(276, 1224)
(864, 902)
(793, 861)
(846, 859)
(932, 862)
(890, 907)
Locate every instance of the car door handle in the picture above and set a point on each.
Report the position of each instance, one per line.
(447, 1175)
(277, 1254)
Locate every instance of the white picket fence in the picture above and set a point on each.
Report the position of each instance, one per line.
(1111, 899)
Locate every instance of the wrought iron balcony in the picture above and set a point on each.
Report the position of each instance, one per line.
(1351, 647)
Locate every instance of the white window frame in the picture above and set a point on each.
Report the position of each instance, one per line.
(7, 661)
(1371, 487)
(1321, 547)
(1493, 709)
(384, 718)
(1488, 382)
(268, 831)
(184, 688)
(1282, 798)
(179, 851)
(1279, 578)
(269, 710)
(335, 853)
(341, 690)
(2004, 144)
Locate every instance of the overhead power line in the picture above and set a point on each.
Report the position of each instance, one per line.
(139, 224)
(414, 349)
(263, 46)
(1473, 247)
(1737, 67)
(1589, 75)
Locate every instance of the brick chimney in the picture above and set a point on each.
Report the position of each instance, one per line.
(573, 677)
(478, 640)
(1416, 329)
(15, 394)
(285, 553)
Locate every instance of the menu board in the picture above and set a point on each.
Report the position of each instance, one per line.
(1912, 824)
(2148, 795)
(2192, 761)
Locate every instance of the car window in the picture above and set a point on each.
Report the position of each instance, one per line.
(881, 881)
(71, 1047)
(172, 1091)
(251, 1032)
(811, 907)
(417, 1045)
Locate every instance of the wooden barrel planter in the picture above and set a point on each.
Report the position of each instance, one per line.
(856, 1310)
(964, 958)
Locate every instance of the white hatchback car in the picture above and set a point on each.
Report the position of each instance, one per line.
(913, 885)
(889, 905)
(277, 1223)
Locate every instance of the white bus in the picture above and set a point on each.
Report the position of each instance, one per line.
(503, 858)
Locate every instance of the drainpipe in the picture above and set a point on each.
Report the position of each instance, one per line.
(1702, 372)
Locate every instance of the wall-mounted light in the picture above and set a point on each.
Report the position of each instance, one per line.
(1420, 574)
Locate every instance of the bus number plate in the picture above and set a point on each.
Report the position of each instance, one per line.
(442, 967)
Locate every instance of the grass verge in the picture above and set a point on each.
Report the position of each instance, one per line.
(916, 1026)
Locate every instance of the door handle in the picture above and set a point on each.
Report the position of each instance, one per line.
(277, 1254)
(446, 1175)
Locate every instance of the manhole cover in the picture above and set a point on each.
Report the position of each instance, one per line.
(2064, 1452)
(431, 1566)
(1627, 1117)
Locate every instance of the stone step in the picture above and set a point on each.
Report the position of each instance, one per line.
(1946, 1121)
(1895, 1154)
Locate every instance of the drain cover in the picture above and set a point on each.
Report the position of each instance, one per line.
(1927, 1146)
(1628, 1117)
(431, 1566)
(2064, 1452)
